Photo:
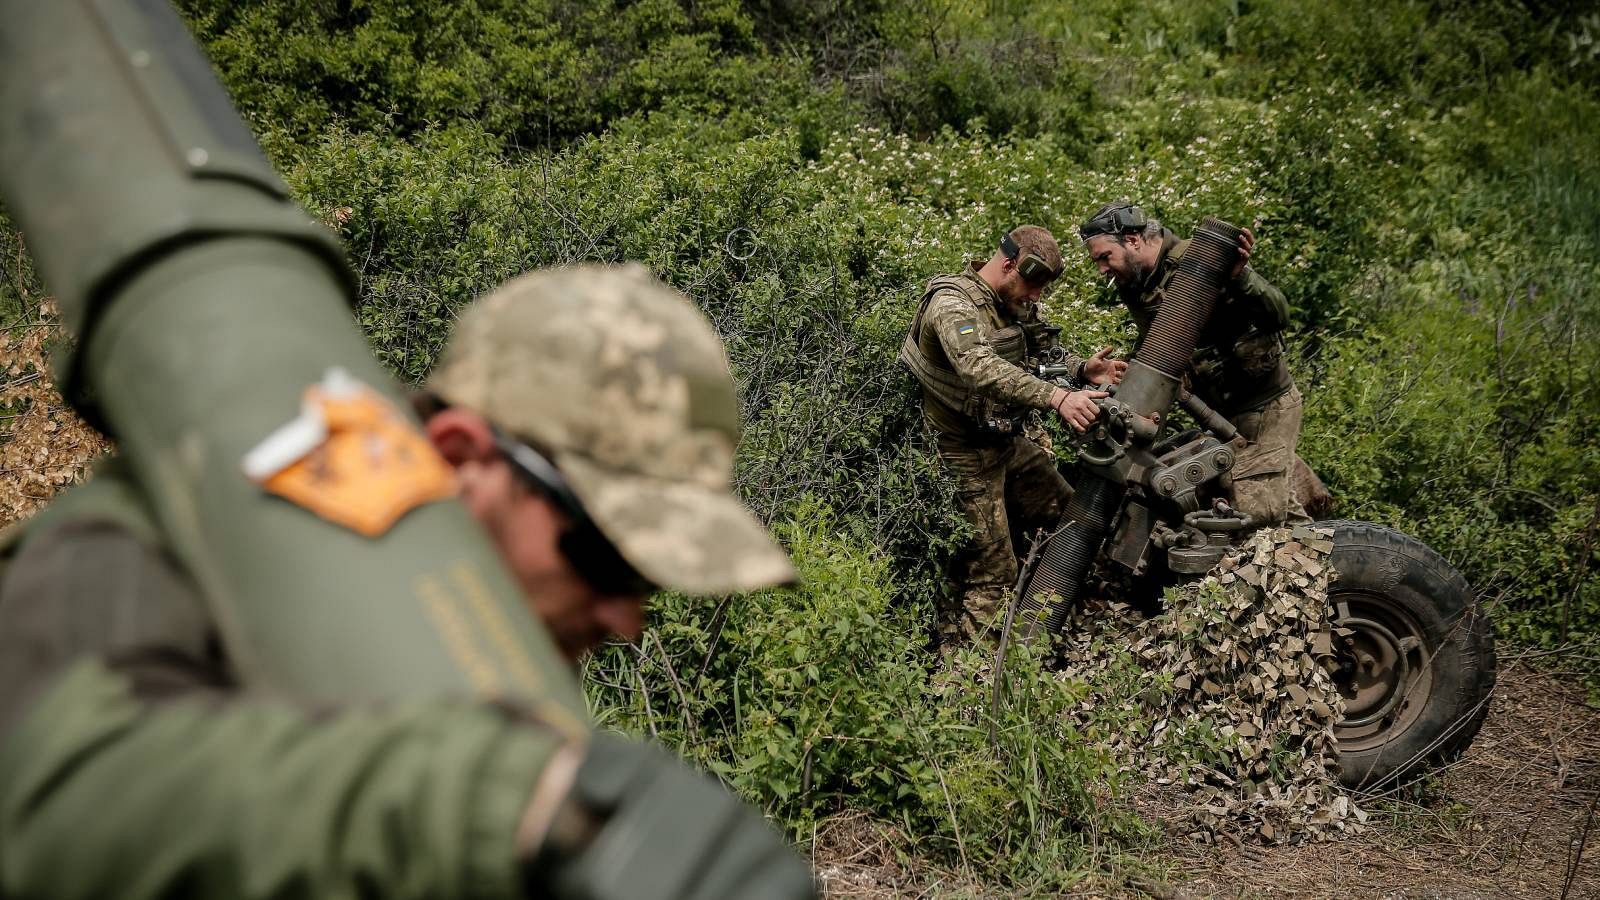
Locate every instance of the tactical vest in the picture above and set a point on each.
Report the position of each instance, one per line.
(923, 354)
(1236, 367)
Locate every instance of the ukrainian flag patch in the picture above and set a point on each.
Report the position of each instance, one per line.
(966, 329)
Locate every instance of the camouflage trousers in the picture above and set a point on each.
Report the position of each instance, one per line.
(1263, 470)
(1012, 487)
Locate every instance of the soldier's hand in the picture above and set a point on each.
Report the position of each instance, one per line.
(1100, 370)
(1247, 242)
(1077, 408)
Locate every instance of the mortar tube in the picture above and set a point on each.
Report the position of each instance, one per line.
(1058, 580)
(1190, 296)
(1150, 386)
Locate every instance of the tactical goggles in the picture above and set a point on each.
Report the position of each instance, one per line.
(1032, 267)
(589, 551)
(1115, 219)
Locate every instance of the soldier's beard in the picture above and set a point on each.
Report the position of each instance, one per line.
(1015, 298)
(1133, 275)
(1128, 281)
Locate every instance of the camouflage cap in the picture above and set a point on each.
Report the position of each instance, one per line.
(625, 385)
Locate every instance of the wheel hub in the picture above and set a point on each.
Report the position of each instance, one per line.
(1383, 673)
(1376, 669)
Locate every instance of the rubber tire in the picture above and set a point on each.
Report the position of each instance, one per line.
(1403, 571)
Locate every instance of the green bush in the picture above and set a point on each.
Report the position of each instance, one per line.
(1467, 410)
(532, 73)
(823, 698)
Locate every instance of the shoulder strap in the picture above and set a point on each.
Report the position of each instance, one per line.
(1170, 262)
(935, 285)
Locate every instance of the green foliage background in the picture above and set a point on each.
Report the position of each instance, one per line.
(1422, 177)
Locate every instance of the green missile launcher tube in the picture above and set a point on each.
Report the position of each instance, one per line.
(205, 303)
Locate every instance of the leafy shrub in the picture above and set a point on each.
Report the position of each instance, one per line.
(822, 698)
(532, 73)
(1467, 411)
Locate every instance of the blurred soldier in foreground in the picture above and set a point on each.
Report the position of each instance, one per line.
(265, 652)
(589, 419)
(970, 346)
(1238, 367)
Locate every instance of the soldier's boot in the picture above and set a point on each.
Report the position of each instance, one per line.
(978, 621)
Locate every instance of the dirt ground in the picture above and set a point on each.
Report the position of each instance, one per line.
(1515, 817)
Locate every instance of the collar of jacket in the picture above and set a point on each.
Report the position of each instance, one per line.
(1135, 297)
(972, 272)
(1152, 279)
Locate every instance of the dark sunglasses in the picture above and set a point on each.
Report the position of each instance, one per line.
(589, 551)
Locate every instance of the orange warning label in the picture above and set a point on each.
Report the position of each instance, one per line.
(351, 458)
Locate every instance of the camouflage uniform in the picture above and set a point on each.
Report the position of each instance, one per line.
(1239, 370)
(967, 351)
(139, 758)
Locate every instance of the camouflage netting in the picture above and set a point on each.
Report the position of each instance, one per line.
(1235, 703)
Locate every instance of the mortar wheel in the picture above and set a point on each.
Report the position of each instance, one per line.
(1417, 665)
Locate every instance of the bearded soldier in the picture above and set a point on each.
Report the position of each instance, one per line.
(1238, 366)
(969, 346)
